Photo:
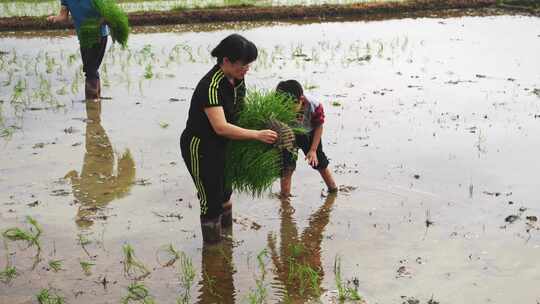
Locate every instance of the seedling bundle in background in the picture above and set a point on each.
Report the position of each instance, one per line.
(253, 166)
(113, 16)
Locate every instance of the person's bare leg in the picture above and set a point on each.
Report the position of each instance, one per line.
(326, 175)
(286, 182)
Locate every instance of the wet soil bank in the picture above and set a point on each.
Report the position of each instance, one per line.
(362, 11)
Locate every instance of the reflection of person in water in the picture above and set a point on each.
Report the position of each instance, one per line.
(300, 250)
(98, 185)
(216, 285)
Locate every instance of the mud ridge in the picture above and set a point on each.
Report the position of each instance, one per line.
(361, 11)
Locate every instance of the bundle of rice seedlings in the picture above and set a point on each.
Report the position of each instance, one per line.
(113, 16)
(253, 166)
(90, 33)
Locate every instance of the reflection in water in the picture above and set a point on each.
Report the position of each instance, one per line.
(216, 285)
(298, 263)
(99, 184)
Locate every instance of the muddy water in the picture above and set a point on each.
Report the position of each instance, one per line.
(431, 127)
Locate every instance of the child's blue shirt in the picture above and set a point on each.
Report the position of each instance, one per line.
(81, 10)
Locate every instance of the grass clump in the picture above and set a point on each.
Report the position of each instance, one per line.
(113, 16)
(253, 166)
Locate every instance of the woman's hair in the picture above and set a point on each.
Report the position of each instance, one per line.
(290, 87)
(236, 48)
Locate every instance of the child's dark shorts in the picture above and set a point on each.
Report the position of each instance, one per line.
(303, 141)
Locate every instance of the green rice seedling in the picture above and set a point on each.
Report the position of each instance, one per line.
(132, 266)
(137, 292)
(163, 125)
(310, 86)
(87, 267)
(7, 275)
(105, 76)
(380, 50)
(44, 91)
(75, 84)
(14, 57)
(9, 80)
(345, 292)
(298, 51)
(18, 90)
(308, 278)
(2, 63)
(62, 91)
(226, 258)
(187, 272)
(60, 70)
(172, 255)
(260, 261)
(71, 59)
(84, 241)
(49, 63)
(303, 274)
(253, 166)
(260, 293)
(18, 234)
(6, 132)
(145, 54)
(187, 277)
(46, 297)
(148, 74)
(55, 265)
(210, 283)
(30, 236)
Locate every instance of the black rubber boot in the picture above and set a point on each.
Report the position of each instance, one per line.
(211, 230)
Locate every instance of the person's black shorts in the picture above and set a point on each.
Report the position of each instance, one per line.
(303, 141)
(206, 164)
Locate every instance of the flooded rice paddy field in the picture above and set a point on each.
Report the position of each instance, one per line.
(431, 129)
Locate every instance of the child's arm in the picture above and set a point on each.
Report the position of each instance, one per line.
(317, 120)
(311, 156)
(62, 16)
